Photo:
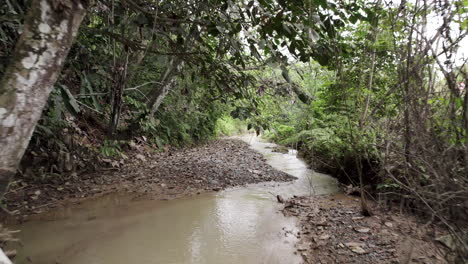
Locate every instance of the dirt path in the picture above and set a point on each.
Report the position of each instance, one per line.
(209, 167)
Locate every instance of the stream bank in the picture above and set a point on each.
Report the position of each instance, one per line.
(333, 230)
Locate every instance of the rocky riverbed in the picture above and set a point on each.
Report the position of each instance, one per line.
(212, 166)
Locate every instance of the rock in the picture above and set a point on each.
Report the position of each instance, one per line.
(214, 182)
(356, 247)
(115, 164)
(216, 189)
(140, 157)
(281, 149)
(352, 190)
(324, 237)
(358, 250)
(388, 224)
(322, 243)
(448, 241)
(280, 198)
(362, 229)
(11, 253)
(355, 244)
(323, 222)
(132, 145)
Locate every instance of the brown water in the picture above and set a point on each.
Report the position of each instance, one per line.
(239, 225)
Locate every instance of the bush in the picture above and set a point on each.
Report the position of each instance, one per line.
(228, 126)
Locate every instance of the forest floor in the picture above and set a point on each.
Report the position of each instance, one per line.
(212, 166)
(333, 230)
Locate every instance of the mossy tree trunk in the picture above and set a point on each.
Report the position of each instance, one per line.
(48, 33)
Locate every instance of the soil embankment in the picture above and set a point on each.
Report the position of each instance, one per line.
(334, 231)
(213, 166)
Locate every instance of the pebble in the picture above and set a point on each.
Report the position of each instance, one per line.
(362, 229)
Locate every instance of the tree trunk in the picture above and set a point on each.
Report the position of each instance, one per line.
(120, 78)
(166, 83)
(167, 80)
(49, 30)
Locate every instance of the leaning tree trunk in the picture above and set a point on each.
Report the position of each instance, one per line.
(166, 82)
(49, 30)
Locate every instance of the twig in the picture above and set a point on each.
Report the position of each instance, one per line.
(90, 108)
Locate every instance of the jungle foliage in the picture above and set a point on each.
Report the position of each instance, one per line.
(369, 91)
(169, 70)
(390, 112)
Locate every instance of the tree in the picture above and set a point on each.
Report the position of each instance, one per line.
(210, 38)
(49, 30)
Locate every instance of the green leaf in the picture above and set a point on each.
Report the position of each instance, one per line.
(353, 19)
(90, 90)
(322, 3)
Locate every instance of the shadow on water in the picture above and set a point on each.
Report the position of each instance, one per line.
(238, 225)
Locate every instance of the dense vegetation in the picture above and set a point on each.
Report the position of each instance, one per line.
(368, 91)
(167, 71)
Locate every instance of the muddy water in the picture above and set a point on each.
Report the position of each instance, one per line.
(239, 225)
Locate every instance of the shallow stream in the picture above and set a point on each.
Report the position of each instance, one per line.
(238, 225)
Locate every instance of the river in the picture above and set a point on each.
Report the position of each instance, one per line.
(238, 225)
